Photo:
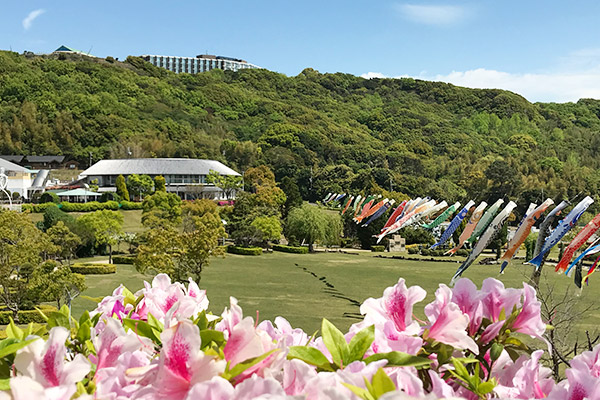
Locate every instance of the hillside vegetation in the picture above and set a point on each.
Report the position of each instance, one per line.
(331, 132)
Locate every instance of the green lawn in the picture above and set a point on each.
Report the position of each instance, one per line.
(305, 288)
(132, 219)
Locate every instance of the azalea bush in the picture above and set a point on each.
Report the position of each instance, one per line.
(161, 343)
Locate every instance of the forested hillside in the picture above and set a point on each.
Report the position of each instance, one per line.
(331, 132)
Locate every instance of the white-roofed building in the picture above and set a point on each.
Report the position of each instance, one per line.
(19, 178)
(186, 177)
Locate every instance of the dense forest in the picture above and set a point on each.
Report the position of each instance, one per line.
(330, 132)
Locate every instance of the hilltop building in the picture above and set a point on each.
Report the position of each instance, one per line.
(68, 50)
(200, 63)
(19, 179)
(186, 177)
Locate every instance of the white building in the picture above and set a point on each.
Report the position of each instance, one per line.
(186, 177)
(19, 178)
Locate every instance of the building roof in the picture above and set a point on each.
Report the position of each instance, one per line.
(41, 159)
(78, 192)
(9, 166)
(157, 166)
(66, 49)
(13, 158)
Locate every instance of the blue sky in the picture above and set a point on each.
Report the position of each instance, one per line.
(544, 50)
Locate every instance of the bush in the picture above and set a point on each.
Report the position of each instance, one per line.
(93, 269)
(110, 196)
(245, 251)
(123, 259)
(131, 205)
(37, 208)
(378, 248)
(49, 197)
(89, 206)
(412, 250)
(290, 249)
(462, 252)
(27, 316)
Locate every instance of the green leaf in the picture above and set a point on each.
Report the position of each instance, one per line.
(202, 321)
(57, 318)
(13, 331)
(360, 343)
(496, 351)
(44, 315)
(14, 347)
(208, 335)
(360, 392)
(335, 342)
(486, 387)
(5, 384)
(399, 359)
(229, 374)
(156, 324)
(84, 317)
(310, 355)
(84, 331)
(142, 328)
(382, 383)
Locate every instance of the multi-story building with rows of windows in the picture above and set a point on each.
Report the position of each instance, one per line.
(200, 63)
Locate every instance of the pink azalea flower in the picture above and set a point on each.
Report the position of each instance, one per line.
(440, 387)
(491, 331)
(162, 295)
(181, 363)
(283, 332)
(114, 341)
(230, 318)
(496, 298)
(591, 361)
(246, 342)
(45, 364)
(113, 383)
(406, 379)
(215, 389)
(448, 322)
(296, 375)
(529, 321)
(256, 387)
(468, 299)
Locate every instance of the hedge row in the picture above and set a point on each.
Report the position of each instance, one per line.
(290, 249)
(93, 269)
(27, 316)
(245, 251)
(378, 248)
(83, 207)
(123, 259)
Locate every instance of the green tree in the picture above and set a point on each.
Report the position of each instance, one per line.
(58, 283)
(160, 184)
(22, 248)
(229, 184)
(161, 208)
(183, 254)
(65, 240)
(122, 188)
(138, 186)
(310, 224)
(292, 195)
(106, 226)
(269, 228)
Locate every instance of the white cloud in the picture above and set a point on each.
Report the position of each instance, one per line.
(432, 14)
(28, 20)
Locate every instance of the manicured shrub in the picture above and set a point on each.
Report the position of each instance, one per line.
(290, 249)
(110, 196)
(462, 252)
(37, 208)
(123, 259)
(49, 197)
(27, 316)
(377, 248)
(245, 251)
(93, 269)
(131, 205)
(412, 250)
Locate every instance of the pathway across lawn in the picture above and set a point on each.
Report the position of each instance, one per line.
(304, 288)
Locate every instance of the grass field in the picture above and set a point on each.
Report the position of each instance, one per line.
(304, 288)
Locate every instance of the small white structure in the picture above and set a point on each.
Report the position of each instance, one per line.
(19, 179)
